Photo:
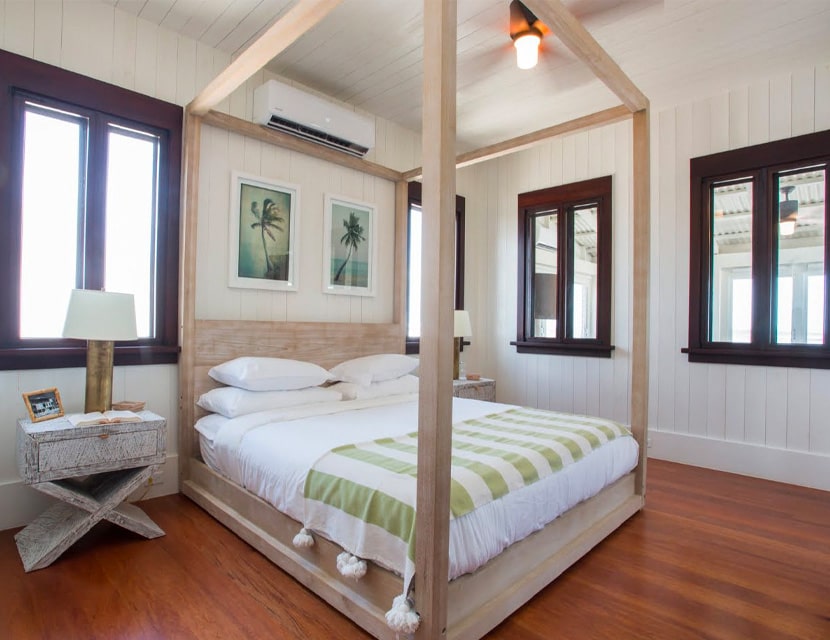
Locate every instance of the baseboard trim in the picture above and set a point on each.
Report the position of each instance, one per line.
(781, 465)
(22, 504)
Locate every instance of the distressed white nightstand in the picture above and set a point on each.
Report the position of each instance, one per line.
(92, 470)
(483, 389)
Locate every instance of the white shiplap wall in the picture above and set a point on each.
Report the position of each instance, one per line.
(101, 42)
(221, 153)
(769, 422)
(766, 422)
(597, 386)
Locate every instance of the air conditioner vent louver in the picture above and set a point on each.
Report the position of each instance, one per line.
(315, 135)
(280, 106)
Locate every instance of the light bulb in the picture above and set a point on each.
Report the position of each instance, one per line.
(786, 227)
(527, 50)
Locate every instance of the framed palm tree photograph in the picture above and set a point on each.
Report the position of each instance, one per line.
(349, 251)
(263, 228)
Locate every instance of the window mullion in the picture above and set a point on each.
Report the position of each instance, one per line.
(94, 254)
(529, 272)
(763, 325)
(566, 269)
(708, 290)
(799, 309)
(604, 267)
(826, 337)
(83, 165)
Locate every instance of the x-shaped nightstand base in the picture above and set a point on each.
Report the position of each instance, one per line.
(83, 506)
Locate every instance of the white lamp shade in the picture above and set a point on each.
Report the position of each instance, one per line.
(462, 324)
(100, 315)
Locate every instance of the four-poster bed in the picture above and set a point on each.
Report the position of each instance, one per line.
(473, 604)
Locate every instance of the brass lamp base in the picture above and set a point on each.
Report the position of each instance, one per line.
(99, 355)
(456, 358)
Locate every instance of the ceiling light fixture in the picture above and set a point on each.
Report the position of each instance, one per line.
(787, 212)
(526, 33)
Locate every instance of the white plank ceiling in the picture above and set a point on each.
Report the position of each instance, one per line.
(368, 53)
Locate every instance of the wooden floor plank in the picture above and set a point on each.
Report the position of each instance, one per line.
(713, 555)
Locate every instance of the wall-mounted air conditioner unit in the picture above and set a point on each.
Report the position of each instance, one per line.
(281, 106)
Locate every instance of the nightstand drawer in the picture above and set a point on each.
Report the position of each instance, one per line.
(94, 451)
(54, 449)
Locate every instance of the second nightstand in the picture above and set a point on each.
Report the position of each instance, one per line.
(56, 458)
(483, 389)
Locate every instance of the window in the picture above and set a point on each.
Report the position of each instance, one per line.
(564, 290)
(91, 201)
(413, 265)
(759, 252)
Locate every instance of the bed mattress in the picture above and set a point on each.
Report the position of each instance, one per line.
(270, 454)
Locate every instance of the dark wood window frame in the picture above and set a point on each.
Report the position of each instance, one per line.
(761, 163)
(564, 199)
(413, 345)
(23, 76)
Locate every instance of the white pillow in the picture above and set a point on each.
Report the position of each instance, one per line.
(231, 401)
(269, 374)
(397, 386)
(369, 369)
(209, 425)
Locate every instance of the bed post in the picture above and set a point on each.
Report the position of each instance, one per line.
(435, 399)
(187, 312)
(639, 348)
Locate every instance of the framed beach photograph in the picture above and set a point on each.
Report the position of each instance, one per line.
(43, 404)
(263, 231)
(349, 247)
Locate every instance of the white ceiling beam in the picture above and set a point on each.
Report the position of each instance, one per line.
(570, 31)
(302, 17)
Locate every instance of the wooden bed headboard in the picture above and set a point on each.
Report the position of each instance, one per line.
(323, 343)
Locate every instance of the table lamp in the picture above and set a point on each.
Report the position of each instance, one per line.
(462, 328)
(99, 317)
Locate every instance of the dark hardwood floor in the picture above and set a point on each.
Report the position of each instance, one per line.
(712, 555)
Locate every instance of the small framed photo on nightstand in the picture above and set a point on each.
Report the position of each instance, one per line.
(44, 404)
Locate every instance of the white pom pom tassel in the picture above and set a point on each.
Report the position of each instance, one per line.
(303, 540)
(351, 566)
(401, 617)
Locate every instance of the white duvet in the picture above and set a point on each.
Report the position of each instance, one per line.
(270, 453)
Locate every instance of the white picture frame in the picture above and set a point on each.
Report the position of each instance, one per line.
(263, 233)
(349, 246)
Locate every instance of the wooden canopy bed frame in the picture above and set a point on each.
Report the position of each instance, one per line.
(473, 604)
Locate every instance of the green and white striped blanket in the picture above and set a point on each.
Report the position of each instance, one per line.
(367, 491)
